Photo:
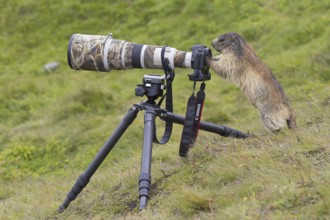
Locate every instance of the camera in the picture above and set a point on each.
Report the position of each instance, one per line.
(104, 53)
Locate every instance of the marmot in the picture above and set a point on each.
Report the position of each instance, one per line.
(239, 64)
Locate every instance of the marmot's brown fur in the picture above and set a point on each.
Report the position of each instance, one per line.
(239, 64)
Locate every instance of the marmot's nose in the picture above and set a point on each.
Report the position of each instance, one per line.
(213, 43)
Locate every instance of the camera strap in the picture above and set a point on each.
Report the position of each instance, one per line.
(192, 120)
(169, 73)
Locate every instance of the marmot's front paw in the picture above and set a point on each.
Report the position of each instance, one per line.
(216, 58)
(210, 59)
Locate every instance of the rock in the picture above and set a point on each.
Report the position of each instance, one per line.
(52, 66)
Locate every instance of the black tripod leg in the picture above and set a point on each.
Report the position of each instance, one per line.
(145, 176)
(206, 126)
(84, 178)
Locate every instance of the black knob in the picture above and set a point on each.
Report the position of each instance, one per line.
(140, 91)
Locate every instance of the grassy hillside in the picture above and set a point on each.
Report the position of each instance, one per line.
(53, 123)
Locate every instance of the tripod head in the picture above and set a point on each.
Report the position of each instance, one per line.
(153, 87)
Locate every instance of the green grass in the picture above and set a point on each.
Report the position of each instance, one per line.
(52, 124)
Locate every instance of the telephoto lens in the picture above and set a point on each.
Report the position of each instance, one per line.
(104, 53)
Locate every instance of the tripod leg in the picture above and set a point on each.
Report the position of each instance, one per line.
(84, 178)
(206, 126)
(145, 177)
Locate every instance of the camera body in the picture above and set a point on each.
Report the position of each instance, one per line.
(198, 62)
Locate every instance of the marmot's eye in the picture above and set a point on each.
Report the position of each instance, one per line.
(232, 39)
(221, 39)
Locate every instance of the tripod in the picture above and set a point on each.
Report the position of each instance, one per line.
(151, 111)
